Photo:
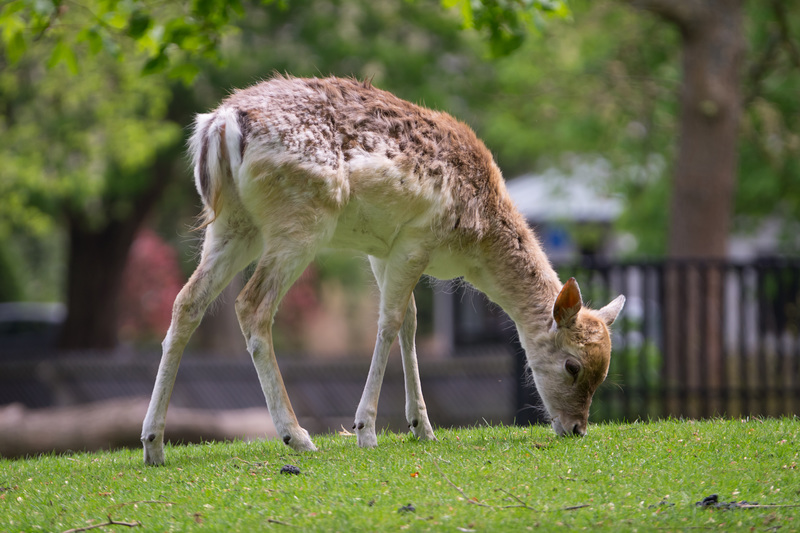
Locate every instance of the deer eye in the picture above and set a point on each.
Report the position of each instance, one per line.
(573, 367)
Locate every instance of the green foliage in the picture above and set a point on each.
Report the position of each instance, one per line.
(507, 22)
(606, 82)
(349, 269)
(31, 267)
(597, 78)
(769, 182)
(409, 48)
(620, 477)
(75, 151)
(10, 283)
(171, 35)
(77, 145)
(601, 84)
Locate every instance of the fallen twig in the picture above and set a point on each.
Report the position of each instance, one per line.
(779, 505)
(574, 507)
(467, 498)
(273, 521)
(761, 506)
(110, 522)
(522, 503)
(712, 502)
(137, 502)
(256, 465)
(686, 528)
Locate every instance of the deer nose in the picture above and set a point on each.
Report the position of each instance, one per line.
(578, 431)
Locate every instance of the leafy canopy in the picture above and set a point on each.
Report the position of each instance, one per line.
(507, 22)
(166, 33)
(77, 144)
(173, 35)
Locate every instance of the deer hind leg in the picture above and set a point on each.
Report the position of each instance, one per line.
(281, 264)
(225, 252)
(396, 280)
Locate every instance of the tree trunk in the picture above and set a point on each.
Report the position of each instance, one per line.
(702, 197)
(94, 278)
(710, 102)
(96, 263)
(97, 257)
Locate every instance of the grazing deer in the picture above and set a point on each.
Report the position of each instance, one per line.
(290, 166)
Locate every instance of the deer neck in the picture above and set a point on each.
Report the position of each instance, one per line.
(515, 273)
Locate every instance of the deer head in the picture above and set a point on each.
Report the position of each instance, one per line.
(572, 361)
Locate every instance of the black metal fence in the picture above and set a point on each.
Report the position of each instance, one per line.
(696, 338)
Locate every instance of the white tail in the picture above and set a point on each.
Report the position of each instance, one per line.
(289, 166)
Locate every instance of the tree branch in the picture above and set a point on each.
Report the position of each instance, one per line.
(780, 37)
(522, 503)
(104, 524)
(680, 12)
(786, 35)
(758, 70)
(473, 501)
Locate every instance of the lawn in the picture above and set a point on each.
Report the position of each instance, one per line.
(643, 476)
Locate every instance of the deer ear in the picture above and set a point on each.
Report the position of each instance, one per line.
(567, 304)
(610, 312)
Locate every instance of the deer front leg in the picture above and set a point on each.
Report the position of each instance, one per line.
(416, 412)
(396, 279)
(255, 308)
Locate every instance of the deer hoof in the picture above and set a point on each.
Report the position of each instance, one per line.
(422, 430)
(153, 450)
(366, 436)
(299, 441)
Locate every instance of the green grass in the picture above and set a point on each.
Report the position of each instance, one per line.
(642, 476)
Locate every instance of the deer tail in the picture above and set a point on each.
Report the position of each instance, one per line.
(217, 147)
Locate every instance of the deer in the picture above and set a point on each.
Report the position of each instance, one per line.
(292, 166)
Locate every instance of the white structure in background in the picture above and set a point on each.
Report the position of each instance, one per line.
(767, 239)
(581, 193)
(557, 201)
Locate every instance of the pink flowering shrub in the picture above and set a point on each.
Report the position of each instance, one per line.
(151, 281)
(298, 306)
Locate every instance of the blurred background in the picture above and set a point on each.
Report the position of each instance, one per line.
(654, 146)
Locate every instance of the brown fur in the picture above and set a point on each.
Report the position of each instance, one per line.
(346, 117)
